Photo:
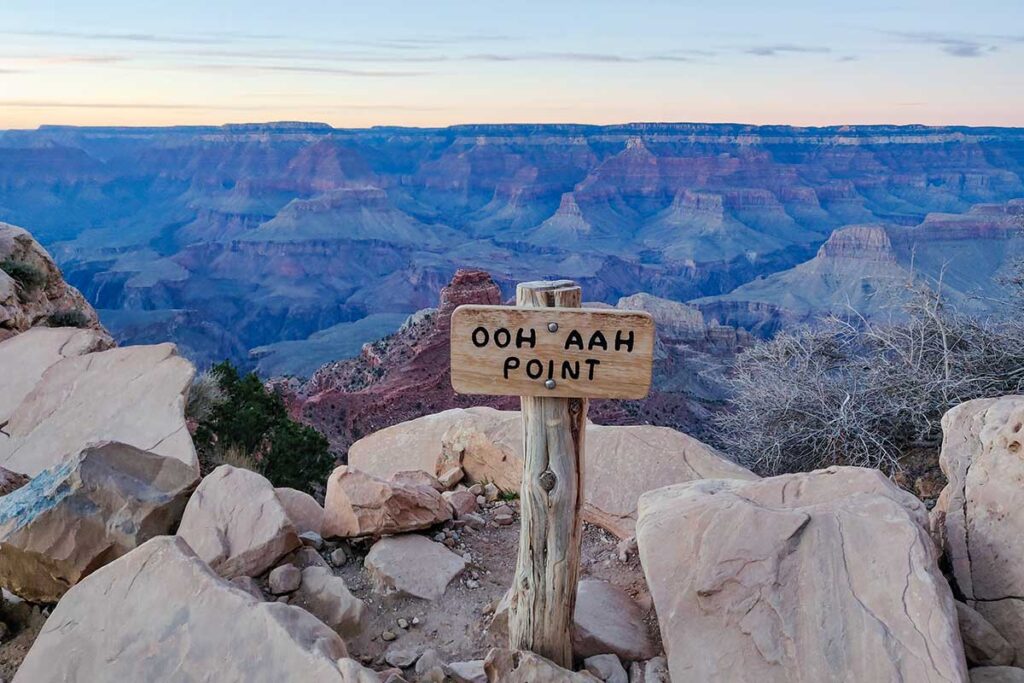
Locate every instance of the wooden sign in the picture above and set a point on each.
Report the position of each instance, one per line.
(556, 352)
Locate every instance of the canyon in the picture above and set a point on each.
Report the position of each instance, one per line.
(287, 246)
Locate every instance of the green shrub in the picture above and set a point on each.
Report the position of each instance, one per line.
(28, 276)
(252, 425)
(69, 318)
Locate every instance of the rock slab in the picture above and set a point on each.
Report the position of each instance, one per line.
(516, 666)
(160, 614)
(608, 621)
(85, 512)
(822, 576)
(413, 565)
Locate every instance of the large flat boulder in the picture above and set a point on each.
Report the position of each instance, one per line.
(133, 395)
(622, 463)
(822, 576)
(979, 517)
(236, 523)
(85, 512)
(358, 504)
(25, 357)
(161, 614)
(412, 565)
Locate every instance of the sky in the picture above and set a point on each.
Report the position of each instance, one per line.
(419, 63)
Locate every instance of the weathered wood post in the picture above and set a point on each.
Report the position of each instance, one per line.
(550, 505)
(555, 356)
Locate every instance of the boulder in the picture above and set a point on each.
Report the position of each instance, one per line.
(306, 514)
(467, 672)
(997, 674)
(160, 613)
(821, 576)
(134, 395)
(983, 644)
(623, 463)
(284, 579)
(27, 356)
(607, 668)
(979, 516)
(328, 598)
(462, 502)
(236, 523)
(46, 298)
(517, 666)
(85, 512)
(412, 565)
(608, 621)
(358, 504)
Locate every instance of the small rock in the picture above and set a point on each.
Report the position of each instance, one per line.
(403, 623)
(656, 671)
(282, 599)
(402, 658)
(312, 539)
(481, 501)
(451, 477)
(606, 667)
(626, 548)
(491, 492)
(387, 636)
(472, 584)
(428, 661)
(339, 557)
(284, 579)
(439, 537)
(412, 565)
(415, 621)
(475, 521)
(477, 489)
(462, 502)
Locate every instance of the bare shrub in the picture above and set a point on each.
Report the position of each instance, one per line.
(857, 392)
(204, 396)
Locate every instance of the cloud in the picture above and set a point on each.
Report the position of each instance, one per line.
(298, 68)
(785, 48)
(594, 57)
(953, 45)
(208, 39)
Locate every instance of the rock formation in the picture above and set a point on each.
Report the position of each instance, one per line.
(822, 576)
(360, 505)
(978, 517)
(85, 512)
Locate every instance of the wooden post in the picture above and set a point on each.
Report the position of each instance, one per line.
(543, 596)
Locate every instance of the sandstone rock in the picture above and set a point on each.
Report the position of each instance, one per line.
(85, 512)
(236, 523)
(607, 668)
(979, 517)
(462, 502)
(412, 565)
(608, 621)
(450, 477)
(305, 557)
(27, 305)
(623, 463)
(820, 576)
(284, 579)
(358, 504)
(159, 613)
(401, 657)
(249, 585)
(12, 481)
(656, 671)
(515, 666)
(430, 668)
(27, 356)
(327, 597)
(997, 674)
(302, 508)
(417, 478)
(983, 644)
(354, 672)
(134, 395)
(468, 672)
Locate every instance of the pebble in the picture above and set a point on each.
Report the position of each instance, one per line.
(475, 521)
(387, 636)
(472, 584)
(339, 557)
(491, 492)
(415, 621)
(439, 537)
(477, 489)
(480, 500)
(312, 539)
(401, 658)
(284, 579)
(403, 623)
